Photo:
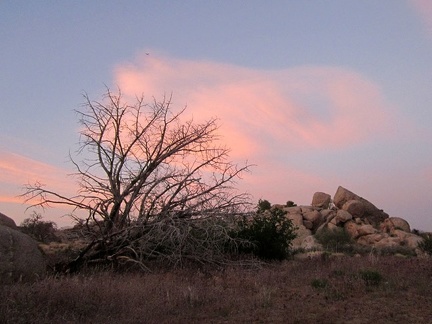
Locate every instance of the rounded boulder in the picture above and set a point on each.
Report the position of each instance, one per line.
(20, 257)
(7, 221)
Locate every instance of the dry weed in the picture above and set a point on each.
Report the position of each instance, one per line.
(276, 293)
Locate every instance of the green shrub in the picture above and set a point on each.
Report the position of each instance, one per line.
(271, 234)
(335, 240)
(38, 229)
(426, 244)
(338, 273)
(290, 204)
(263, 205)
(319, 283)
(398, 249)
(371, 277)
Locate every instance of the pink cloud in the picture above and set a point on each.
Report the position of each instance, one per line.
(263, 113)
(424, 10)
(7, 198)
(304, 107)
(17, 170)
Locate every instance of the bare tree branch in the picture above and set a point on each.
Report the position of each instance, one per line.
(143, 164)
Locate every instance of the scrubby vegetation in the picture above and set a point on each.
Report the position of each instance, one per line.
(335, 240)
(270, 233)
(426, 244)
(221, 241)
(342, 290)
(263, 205)
(371, 277)
(38, 229)
(290, 203)
(374, 287)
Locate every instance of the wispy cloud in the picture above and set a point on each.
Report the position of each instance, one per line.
(17, 170)
(304, 107)
(267, 116)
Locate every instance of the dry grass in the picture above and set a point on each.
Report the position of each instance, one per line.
(309, 291)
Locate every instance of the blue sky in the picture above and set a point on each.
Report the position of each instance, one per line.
(316, 93)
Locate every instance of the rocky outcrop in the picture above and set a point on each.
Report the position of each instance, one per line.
(358, 207)
(363, 221)
(20, 257)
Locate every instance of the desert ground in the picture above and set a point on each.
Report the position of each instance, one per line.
(325, 289)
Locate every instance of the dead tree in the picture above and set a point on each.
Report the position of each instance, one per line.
(143, 166)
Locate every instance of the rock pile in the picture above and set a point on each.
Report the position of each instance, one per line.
(362, 220)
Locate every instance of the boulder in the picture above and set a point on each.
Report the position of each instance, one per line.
(293, 210)
(399, 234)
(370, 239)
(407, 239)
(358, 221)
(328, 214)
(296, 219)
(331, 226)
(355, 207)
(313, 216)
(351, 228)
(371, 213)
(20, 257)
(412, 240)
(7, 221)
(302, 232)
(342, 216)
(343, 195)
(321, 200)
(391, 224)
(306, 209)
(326, 227)
(366, 230)
(308, 224)
(388, 241)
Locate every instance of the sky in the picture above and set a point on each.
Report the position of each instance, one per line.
(316, 94)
